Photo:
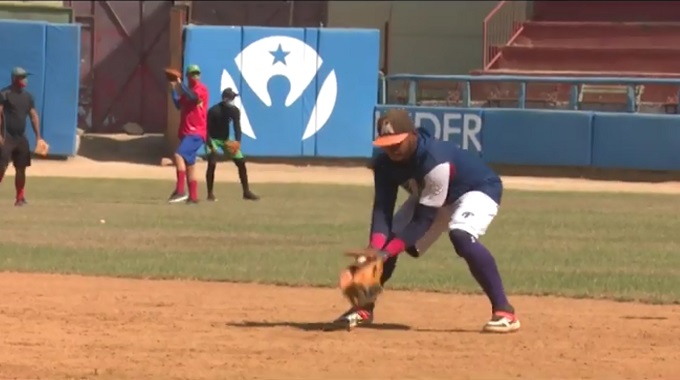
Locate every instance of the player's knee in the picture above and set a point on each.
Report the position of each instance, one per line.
(461, 241)
(239, 162)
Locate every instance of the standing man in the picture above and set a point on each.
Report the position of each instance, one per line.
(191, 98)
(16, 103)
(452, 191)
(219, 117)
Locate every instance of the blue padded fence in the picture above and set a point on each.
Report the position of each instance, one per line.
(307, 92)
(557, 138)
(551, 137)
(51, 54)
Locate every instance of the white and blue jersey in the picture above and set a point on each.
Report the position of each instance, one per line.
(437, 176)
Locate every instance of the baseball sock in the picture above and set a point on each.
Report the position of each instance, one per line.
(388, 268)
(210, 176)
(193, 190)
(181, 178)
(19, 184)
(482, 266)
(242, 174)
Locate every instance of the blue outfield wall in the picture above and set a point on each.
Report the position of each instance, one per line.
(311, 92)
(51, 53)
(556, 138)
(303, 91)
(646, 142)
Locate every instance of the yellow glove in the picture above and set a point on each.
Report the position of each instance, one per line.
(360, 281)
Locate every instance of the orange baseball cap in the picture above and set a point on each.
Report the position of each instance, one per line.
(393, 128)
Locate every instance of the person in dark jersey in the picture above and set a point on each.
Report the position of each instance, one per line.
(220, 116)
(451, 190)
(17, 104)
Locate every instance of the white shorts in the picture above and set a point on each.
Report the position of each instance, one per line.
(472, 213)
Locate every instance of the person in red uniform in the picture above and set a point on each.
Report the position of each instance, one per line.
(191, 98)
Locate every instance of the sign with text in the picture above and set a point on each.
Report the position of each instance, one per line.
(460, 126)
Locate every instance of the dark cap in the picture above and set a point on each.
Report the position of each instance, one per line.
(228, 93)
(20, 72)
(393, 127)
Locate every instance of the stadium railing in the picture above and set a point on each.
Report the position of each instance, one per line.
(576, 83)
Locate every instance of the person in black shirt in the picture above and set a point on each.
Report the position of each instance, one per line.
(219, 117)
(16, 104)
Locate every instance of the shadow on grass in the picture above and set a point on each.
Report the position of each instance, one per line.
(318, 326)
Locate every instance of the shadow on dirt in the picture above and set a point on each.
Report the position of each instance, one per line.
(644, 318)
(317, 326)
(457, 331)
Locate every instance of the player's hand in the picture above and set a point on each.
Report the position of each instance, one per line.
(2, 140)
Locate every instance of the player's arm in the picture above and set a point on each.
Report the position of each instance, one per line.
(384, 200)
(175, 97)
(35, 119)
(431, 199)
(236, 116)
(190, 94)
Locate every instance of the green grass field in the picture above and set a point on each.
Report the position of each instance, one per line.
(619, 246)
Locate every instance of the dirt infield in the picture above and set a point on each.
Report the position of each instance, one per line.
(71, 327)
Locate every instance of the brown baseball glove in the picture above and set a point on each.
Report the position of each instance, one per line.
(172, 75)
(41, 148)
(360, 281)
(233, 146)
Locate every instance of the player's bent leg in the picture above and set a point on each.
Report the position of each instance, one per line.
(210, 176)
(193, 183)
(439, 226)
(179, 194)
(20, 185)
(4, 163)
(483, 268)
(188, 152)
(21, 157)
(240, 162)
(472, 216)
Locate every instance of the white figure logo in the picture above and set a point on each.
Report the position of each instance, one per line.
(293, 59)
